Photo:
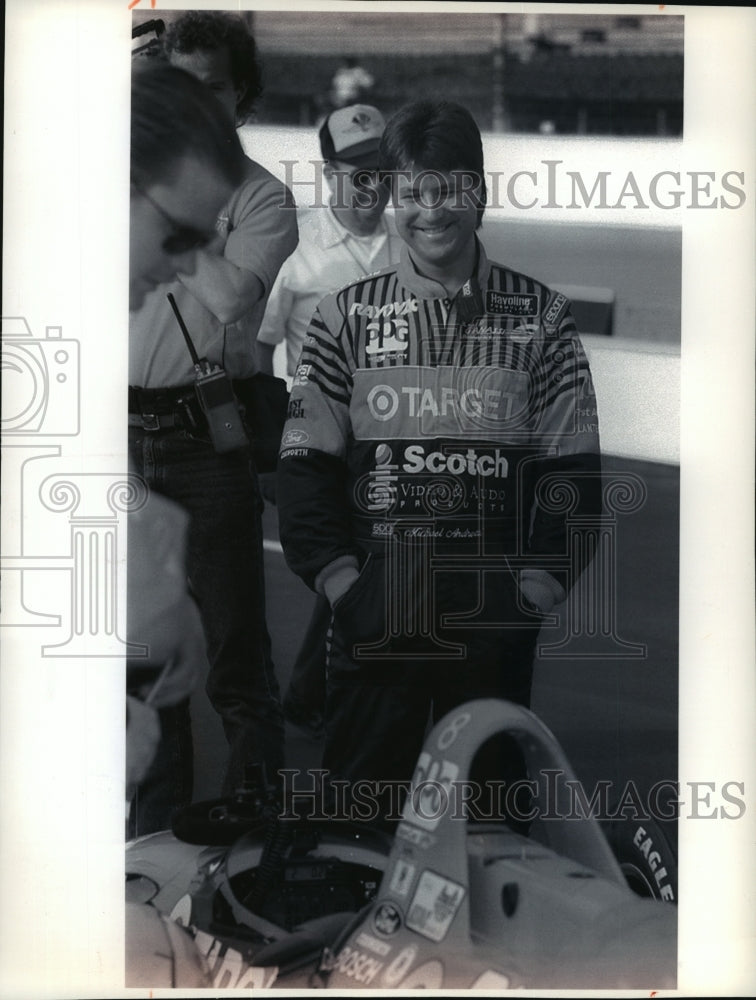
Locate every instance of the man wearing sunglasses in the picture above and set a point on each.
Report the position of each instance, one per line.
(221, 300)
(185, 163)
(184, 166)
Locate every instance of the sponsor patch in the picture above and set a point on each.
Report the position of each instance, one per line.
(428, 801)
(405, 831)
(524, 332)
(302, 375)
(229, 969)
(434, 905)
(381, 948)
(385, 311)
(387, 336)
(357, 965)
(557, 306)
(295, 410)
(295, 437)
(401, 877)
(400, 966)
(387, 919)
(419, 402)
(483, 331)
(512, 303)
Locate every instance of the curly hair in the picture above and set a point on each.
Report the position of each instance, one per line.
(207, 31)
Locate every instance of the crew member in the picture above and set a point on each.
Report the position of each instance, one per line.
(221, 303)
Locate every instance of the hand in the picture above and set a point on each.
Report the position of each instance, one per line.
(142, 738)
(336, 585)
(541, 589)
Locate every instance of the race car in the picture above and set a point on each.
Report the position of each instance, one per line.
(243, 894)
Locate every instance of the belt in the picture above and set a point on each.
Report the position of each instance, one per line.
(164, 409)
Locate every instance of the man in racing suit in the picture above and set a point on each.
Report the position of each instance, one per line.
(441, 449)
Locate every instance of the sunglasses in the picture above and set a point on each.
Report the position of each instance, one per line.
(183, 238)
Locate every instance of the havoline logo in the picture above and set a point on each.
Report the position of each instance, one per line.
(458, 463)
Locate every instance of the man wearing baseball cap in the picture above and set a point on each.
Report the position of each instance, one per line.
(338, 244)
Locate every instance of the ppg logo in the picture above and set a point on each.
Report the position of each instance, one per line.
(40, 381)
(386, 335)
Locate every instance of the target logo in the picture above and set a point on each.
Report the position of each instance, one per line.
(383, 402)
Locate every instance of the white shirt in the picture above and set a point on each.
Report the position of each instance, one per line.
(328, 257)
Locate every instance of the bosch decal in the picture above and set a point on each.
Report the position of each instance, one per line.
(512, 304)
(357, 965)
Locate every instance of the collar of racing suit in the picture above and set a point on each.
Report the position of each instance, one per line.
(429, 288)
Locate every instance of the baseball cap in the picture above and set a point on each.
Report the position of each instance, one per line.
(352, 134)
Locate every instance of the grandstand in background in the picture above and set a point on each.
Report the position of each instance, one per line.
(584, 74)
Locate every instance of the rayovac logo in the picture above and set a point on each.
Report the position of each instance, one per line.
(458, 463)
(384, 311)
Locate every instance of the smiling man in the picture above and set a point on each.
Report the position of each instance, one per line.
(442, 414)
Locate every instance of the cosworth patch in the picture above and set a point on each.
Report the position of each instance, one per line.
(512, 303)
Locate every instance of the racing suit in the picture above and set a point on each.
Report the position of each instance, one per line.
(448, 450)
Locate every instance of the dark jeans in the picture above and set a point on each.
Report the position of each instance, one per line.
(307, 685)
(226, 575)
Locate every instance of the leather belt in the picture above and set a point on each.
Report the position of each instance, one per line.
(165, 409)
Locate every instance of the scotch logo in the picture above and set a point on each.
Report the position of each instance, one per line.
(512, 304)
